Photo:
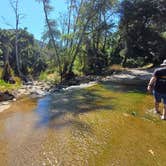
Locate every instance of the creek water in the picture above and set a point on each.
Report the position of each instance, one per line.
(101, 125)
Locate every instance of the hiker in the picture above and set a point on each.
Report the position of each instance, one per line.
(157, 84)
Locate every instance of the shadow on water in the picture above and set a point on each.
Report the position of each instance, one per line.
(63, 109)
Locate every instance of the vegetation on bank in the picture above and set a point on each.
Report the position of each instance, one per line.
(89, 38)
(4, 86)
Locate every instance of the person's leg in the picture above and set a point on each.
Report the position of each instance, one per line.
(164, 110)
(157, 101)
(156, 107)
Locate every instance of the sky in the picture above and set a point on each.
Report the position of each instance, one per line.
(33, 15)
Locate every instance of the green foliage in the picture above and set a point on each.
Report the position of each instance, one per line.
(77, 69)
(31, 58)
(87, 41)
(50, 76)
(141, 26)
(7, 86)
(43, 76)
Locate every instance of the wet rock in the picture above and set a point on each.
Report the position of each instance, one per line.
(134, 113)
(33, 89)
(4, 96)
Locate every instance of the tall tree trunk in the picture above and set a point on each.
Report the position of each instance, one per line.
(17, 55)
(52, 38)
(14, 5)
(77, 49)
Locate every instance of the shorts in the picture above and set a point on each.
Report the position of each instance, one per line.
(159, 97)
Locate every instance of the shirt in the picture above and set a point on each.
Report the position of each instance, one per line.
(160, 85)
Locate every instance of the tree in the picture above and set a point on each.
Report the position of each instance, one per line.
(98, 36)
(50, 24)
(18, 16)
(86, 20)
(6, 48)
(141, 26)
(31, 55)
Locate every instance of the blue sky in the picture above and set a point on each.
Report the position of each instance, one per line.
(34, 16)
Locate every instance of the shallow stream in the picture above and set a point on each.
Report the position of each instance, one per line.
(102, 125)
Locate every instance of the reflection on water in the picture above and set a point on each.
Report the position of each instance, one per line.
(83, 127)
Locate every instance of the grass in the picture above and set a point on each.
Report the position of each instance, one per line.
(6, 86)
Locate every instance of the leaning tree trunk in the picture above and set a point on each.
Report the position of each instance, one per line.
(52, 38)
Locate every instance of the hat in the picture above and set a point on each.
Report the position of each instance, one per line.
(164, 63)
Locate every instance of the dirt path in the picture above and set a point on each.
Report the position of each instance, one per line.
(130, 77)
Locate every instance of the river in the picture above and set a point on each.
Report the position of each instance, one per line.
(102, 125)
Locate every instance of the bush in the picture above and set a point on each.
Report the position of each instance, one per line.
(48, 76)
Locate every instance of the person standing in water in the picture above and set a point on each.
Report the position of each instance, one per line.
(157, 84)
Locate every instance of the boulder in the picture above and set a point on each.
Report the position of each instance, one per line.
(4, 96)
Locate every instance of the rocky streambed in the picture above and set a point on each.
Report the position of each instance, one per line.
(37, 89)
(33, 89)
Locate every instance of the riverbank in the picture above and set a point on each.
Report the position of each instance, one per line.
(131, 77)
(37, 89)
